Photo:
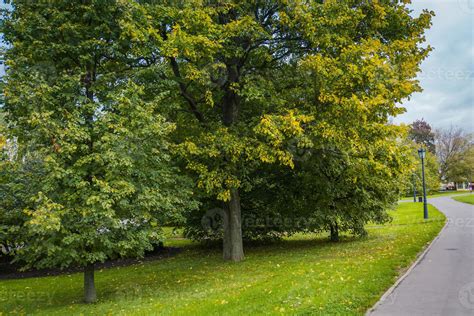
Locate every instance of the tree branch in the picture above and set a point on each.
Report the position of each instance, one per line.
(183, 90)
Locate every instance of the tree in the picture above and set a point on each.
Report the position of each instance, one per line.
(2, 84)
(3, 139)
(466, 165)
(454, 151)
(107, 178)
(421, 133)
(253, 80)
(414, 179)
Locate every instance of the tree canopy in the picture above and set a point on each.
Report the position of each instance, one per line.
(454, 148)
(257, 80)
(107, 178)
(421, 133)
(276, 110)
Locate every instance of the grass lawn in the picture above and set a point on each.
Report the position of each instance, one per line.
(304, 274)
(465, 198)
(437, 194)
(447, 193)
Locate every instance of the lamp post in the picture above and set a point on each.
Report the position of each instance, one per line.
(422, 154)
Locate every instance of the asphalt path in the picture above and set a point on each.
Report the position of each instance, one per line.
(442, 281)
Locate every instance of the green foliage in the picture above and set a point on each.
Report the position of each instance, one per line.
(19, 181)
(322, 78)
(454, 149)
(413, 176)
(421, 135)
(107, 182)
(247, 85)
(462, 165)
(432, 178)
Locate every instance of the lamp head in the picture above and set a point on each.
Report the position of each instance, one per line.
(422, 153)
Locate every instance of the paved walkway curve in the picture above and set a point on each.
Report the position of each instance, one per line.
(442, 283)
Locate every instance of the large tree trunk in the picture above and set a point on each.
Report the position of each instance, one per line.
(232, 244)
(233, 248)
(90, 295)
(334, 232)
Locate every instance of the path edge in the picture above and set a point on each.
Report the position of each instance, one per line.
(419, 257)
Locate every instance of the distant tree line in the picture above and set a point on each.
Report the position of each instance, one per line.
(450, 156)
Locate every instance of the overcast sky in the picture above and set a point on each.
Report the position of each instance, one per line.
(448, 74)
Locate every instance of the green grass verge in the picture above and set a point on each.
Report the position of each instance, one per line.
(465, 198)
(447, 193)
(304, 274)
(437, 194)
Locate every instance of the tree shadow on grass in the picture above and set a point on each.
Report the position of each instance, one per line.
(195, 269)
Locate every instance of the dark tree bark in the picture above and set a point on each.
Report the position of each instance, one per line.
(233, 248)
(229, 105)
(334, 232)
(232, 244)
(231, 100)
(90, 295)
(182, 88)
